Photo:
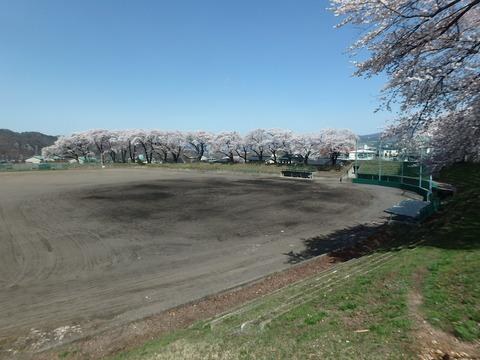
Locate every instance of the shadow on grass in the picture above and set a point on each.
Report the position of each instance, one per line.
(455, 227)
(441, 230)
(344, 244)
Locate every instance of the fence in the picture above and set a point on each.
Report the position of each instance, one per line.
(410, 176)
(45, 166)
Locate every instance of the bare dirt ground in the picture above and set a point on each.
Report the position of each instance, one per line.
(85, 251)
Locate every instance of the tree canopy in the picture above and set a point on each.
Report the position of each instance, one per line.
(174, 146)
(430, 52)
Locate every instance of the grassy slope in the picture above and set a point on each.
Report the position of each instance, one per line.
(364, 309)
(452, 289)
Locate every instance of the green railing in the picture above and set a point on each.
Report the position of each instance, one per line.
(410, 184)
(401, 175)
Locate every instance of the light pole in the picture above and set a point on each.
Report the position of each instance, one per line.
(401, 176)
(355, 167)
(380, 162)
(421, 169)
(429, 195)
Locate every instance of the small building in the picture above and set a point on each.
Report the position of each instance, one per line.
(389, 153)
(84, 160)
(37, 159)
(256, 159)
(290, 159)
(56, 159)
(362, 154)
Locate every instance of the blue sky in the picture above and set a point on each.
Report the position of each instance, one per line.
(67, 66)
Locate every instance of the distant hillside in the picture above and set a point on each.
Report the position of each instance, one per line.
(373, 140)
(21, 146)
(370, 138)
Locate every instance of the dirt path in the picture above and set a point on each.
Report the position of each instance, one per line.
(432, 343)
(84, 251)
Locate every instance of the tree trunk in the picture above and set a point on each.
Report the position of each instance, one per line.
(175, 157)
(132, 153)
(259, 154)
(200, 151)
(179, 153)
(242, 154)
(333, 158)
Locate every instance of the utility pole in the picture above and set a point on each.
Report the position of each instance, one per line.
(421, 169)
(355, 167)
(380, 162)
(401, 177)
(429, 195)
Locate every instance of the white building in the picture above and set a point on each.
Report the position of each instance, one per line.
(389, 153)
(362, 154)
(35, 160)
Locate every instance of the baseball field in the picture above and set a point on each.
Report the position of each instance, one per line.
(85, 250)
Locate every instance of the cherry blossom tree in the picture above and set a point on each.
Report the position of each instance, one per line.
(159, 145)
(175, 143)
(430, 51)
(197, 141)
(456, 138)
(242, 148)
(147, 140)
(127, 137)
(278, 140)
(75, 147)
(335, 142)
(100, 141)
(307, 145)
(258, 142)
(226, 143)
(120, 146)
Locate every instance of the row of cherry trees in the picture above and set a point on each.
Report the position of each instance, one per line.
(173, 146)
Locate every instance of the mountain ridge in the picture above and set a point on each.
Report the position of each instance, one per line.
(18, 146)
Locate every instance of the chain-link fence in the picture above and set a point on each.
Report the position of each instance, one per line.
(45, 166)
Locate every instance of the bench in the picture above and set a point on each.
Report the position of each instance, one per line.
(298, 173)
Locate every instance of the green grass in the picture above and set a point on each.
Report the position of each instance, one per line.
(66, 354)
(242, 168)
(392, 168)
(452, 294)
(249, 168)
(364, 309)
(452, 289)
(324, 326)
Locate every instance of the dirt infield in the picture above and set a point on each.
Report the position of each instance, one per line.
(87, 250)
